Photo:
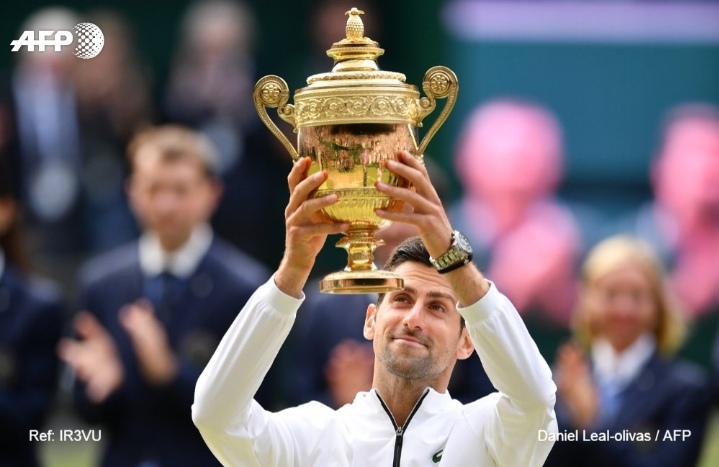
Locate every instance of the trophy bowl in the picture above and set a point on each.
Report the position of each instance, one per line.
(354, 156)
(349, 122)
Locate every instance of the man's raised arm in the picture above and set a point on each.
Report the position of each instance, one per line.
(235, 427)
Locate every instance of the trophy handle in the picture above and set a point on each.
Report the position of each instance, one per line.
(439, 82)
(272, 91)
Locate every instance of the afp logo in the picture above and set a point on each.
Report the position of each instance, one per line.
(89, 40)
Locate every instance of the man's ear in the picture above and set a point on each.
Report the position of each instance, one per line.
(217, 189)
(130, 192)
(369, 322)
(465, 347)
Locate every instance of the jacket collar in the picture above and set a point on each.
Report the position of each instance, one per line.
(621, 368)
(181, 263)
(434, 403)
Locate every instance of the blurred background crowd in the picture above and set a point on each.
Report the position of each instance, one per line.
(142, 200)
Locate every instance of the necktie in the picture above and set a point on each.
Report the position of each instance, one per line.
(610, 399)
(163, 291)
(170, 288)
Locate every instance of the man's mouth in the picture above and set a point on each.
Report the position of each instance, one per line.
(409, 340)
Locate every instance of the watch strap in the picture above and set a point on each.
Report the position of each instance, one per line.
(456, 265)
(455, 257)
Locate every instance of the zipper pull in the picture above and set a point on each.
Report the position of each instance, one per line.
(399, 431)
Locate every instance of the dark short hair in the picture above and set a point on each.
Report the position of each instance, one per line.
(409, 250)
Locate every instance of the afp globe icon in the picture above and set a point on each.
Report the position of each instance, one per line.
(90, 40)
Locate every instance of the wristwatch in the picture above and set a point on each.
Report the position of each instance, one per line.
(459, 254)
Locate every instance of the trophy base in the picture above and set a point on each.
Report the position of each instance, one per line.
(361, 282)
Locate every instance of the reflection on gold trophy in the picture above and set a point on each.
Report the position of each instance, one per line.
(349, 122)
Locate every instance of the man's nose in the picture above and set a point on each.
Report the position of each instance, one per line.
(415, 316)
(167, 201)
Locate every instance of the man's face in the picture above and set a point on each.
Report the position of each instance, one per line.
(170, 198)
(417, 331)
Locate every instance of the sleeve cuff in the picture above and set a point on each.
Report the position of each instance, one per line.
(279, 300)
(484, 307)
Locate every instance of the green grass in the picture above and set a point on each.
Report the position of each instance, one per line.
(69, 453)
(710, 455)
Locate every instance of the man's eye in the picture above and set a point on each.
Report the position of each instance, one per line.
(439, 308)
(401, 298)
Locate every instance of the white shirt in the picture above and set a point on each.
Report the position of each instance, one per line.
(501, 429)
(619, 369)
(180, 263)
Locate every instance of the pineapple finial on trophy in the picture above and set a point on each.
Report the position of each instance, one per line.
(354, 28)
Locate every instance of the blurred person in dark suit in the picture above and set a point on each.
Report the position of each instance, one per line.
(509, 160)
(156, 308)
(69, 123)
(210, 89)
(44, 139)
(31, 314)
(628, 382)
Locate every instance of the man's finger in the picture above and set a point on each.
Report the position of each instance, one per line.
(310, 207)
(323, 228)
(412, 161)
(411, 197)
(67, 350)
(141, 325)
(87, 326)
(298, 173)
(79, 358)
(418, 177)
(97, 389)
(303, 189)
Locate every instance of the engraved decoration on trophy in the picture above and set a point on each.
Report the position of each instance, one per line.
(350, 121)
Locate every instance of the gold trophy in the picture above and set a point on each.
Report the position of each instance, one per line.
(349, 122)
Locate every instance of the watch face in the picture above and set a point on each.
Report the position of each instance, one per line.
(463, 242)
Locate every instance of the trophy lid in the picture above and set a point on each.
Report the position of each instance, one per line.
(356, 90)
(355, 52)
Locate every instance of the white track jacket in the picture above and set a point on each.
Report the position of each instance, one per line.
(501, 429)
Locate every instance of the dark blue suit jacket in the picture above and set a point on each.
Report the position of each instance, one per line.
(31, 317)
(148, 423)
(665, 396)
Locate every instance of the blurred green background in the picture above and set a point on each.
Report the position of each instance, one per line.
(609, 97)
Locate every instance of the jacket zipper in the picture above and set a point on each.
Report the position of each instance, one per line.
(400, 430)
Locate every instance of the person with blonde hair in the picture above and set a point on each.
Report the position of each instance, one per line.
(627, 396)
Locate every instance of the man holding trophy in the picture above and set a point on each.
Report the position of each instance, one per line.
(434, 308)
(408, 418)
